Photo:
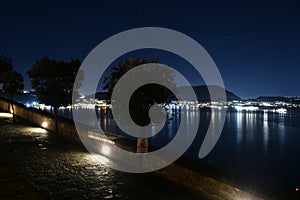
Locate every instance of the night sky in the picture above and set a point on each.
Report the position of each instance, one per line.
(255, 44)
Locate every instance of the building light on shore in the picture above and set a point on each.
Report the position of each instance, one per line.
(45, 124)
(246, 108)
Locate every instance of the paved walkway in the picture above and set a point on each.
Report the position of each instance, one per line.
(13, 186)
(55, 168)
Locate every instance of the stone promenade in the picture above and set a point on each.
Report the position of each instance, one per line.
(37, 164)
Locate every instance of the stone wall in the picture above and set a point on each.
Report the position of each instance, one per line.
(43, 119)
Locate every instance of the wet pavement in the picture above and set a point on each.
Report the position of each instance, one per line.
(56, 168)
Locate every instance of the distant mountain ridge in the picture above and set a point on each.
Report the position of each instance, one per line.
(279, 98)
(201, 91)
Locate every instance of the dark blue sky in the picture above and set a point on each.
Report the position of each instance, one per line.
(255, 44)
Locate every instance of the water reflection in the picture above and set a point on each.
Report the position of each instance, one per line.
(281, 133)
(265, 131)
(239, 125)
(246, 129)
(256, 145)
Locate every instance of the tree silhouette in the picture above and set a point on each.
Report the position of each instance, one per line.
(119, 70)
(145, 96)
(5, 65)
(53, 82)
(12, 84)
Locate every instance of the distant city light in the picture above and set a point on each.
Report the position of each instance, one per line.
(247, 108)
(266, 104)
(45, 124)
(43, 107)
(281, 110)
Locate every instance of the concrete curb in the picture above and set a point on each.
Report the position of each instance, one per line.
(210, 188)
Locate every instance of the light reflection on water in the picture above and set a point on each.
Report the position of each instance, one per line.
(262, 146)
(266, 147)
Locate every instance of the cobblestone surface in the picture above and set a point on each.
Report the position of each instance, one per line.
(59, 169)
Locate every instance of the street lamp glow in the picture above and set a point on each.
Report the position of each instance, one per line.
(105, 150)
(45, 124)
(8, 115)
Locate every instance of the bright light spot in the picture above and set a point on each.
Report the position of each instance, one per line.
(96, 159)
(45, 124)
(266, 104)
(105, 150)
(246, 108)
(297, 189)
(43, 107)
(9, 115)
(36, 130)
(97, 137)
(281, 110)
(27, 105)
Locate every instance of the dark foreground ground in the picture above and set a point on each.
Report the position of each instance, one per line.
(36, 164)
